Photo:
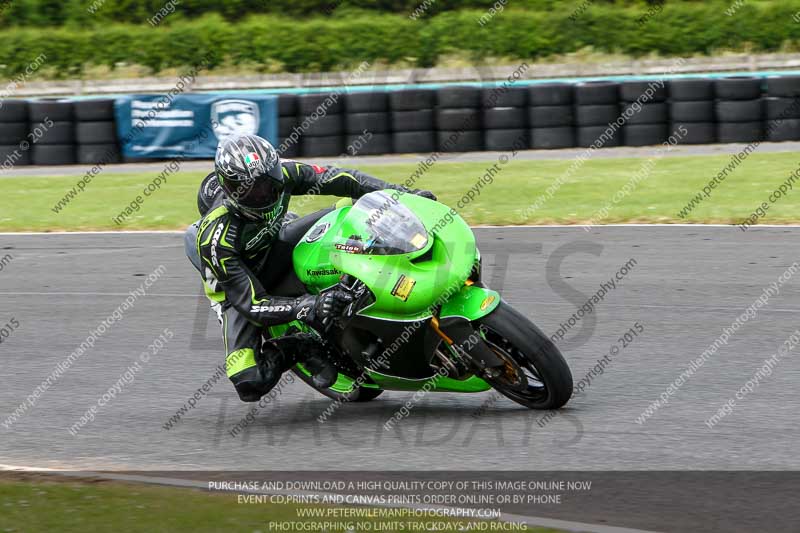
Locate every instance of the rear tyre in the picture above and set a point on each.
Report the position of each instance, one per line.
(337, 393)
(511, 334)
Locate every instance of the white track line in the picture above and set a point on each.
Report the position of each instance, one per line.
(534, 521)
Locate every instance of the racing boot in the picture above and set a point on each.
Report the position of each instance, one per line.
(307, 349)
(254, 382)
(323, 373)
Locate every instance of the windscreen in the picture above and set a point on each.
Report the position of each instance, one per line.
(389, 227)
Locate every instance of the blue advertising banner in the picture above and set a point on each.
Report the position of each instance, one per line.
(191, 125)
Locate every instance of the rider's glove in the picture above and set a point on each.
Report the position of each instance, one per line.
(316, 310)
(423, 193)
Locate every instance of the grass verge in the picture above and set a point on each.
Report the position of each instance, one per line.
(97, 505)
(659, 196)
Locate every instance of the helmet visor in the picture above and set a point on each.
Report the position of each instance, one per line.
(257, 195)
(268, 214)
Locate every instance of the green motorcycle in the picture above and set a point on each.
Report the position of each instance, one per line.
(420, 316)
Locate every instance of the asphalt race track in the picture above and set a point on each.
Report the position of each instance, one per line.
(685, 285)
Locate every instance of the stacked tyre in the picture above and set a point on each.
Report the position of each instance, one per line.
(320, 115)
(646, 114)
(691, 110)
(51, 128)
(504, 120)
(366, 123)
(550, 116)
(458, 119)
(782, 108)
(14, 147)
(289, 132)
(412, 120)
(96, 132)
(739, 109)
(596, 108)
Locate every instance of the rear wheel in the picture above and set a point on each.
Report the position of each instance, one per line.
(526, 350)
(344, 390)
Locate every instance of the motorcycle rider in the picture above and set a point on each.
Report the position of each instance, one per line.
(243, 243)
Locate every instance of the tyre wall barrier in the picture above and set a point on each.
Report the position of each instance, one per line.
(455, 118)
(452, 118)
(58, 132)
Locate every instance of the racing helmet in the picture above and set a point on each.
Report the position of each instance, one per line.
(249, 171)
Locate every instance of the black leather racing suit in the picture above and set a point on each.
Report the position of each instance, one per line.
(235, 258)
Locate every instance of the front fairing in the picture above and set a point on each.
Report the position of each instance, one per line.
(406, 285)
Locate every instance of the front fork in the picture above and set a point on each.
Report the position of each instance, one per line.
(466, 345)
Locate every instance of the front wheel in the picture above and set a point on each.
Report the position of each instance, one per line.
(526, 349)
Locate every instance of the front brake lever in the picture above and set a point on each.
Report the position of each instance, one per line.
(357, 289)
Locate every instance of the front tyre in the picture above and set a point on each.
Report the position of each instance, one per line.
(344, 390)
(527, 349)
